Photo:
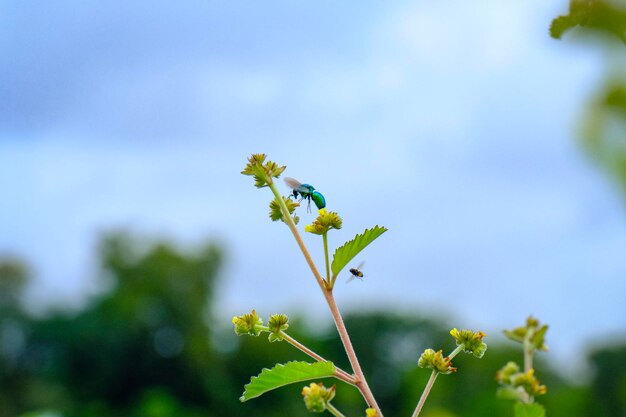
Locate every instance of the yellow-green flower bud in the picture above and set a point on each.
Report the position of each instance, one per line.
(503, 376)
(436, 361)
(277, 323)
(529, 382)
(370, 412)
(248, 324)
(325, 221)
(472, 341)
(316, 396)
(262, 172)
(275, 211)
(533, 331)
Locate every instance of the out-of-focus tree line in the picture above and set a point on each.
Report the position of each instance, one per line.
(152, 346)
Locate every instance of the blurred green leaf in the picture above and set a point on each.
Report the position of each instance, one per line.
(529, 410)
(600, 15)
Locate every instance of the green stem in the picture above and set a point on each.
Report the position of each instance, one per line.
(528, 350)
(328, 277)
(429, 385)
(340, 373)
(431, 381)
(331, 409)
(456, 351)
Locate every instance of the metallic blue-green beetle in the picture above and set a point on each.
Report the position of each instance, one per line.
(306, 192)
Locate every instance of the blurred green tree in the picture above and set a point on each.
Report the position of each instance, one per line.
(146, 348)
(608, 386)
(602, 23)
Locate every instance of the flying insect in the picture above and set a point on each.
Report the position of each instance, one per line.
(356, 272)
(305, 192)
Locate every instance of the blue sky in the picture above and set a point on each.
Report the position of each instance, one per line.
(452, 124)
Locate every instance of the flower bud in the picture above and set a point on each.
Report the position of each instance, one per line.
(316, 396)
(472, 341)
(248, 324)
(277, 323)
(325, 221)
(436, 361)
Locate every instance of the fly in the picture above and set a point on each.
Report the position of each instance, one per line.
(356, 272)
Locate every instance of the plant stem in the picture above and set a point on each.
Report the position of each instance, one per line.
(456, 351)
(340, 373)
(431, 382)
(361, 383)
(328, 277)
(292, 226)
(429, 385)
(528, 350)
(331, 408)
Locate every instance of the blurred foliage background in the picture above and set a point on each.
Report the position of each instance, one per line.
(601, 24)
(152, 346)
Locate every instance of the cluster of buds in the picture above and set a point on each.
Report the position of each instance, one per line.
(277, 214)
(252, 324)
(325, 221)
(436, 361)
(468, 341)
(317, 397)
(262, 171)
(471, 341)
(532, 334)
(516, 385)
(277, 325)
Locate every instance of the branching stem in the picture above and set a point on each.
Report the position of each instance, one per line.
(292, 226)
(340, 373)
(360, 381)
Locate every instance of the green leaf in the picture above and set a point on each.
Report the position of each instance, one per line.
(350, 249)
(560, 25)
(281, 375)
(511, 393)
(529, 410)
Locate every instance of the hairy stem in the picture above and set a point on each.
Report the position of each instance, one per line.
(292, 226)
(361, 383)
(340, 373)
(429, 385)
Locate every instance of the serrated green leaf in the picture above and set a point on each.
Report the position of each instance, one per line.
(281, 375)
(350, 249)
(529, 410)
